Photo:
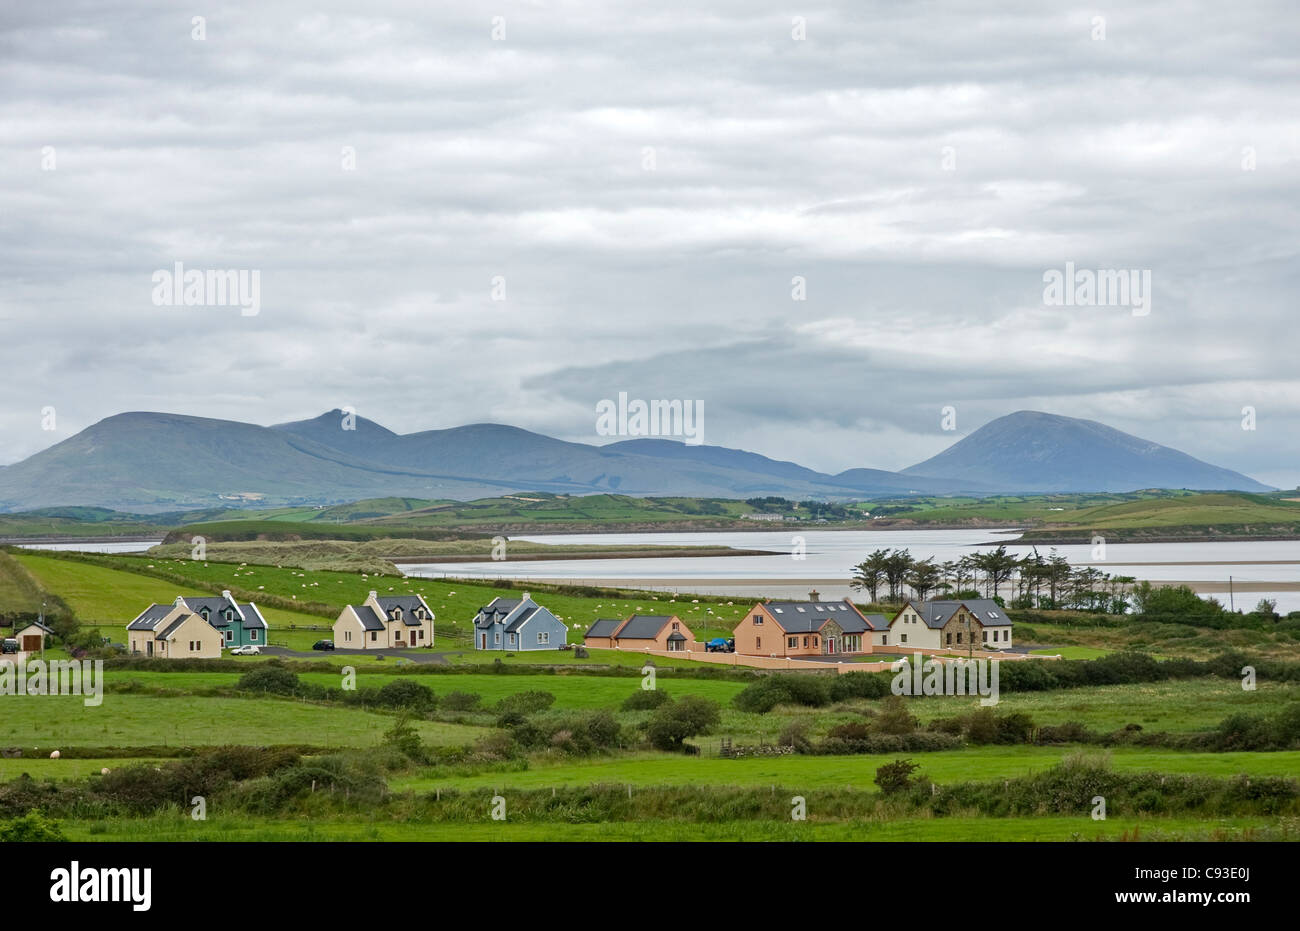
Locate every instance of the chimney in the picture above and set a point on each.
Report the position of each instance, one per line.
(814, 595)
(374, 596)
(226, 595)
(526, 596)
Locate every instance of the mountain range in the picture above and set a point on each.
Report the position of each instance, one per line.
(150, 462)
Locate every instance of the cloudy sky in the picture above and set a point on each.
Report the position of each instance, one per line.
(645, 182)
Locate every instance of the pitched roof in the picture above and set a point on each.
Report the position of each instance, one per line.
(369, 619)
(988, 611)
(877, 621)
(253, 616)
(936, 614)
(604, 627)
(498, 610)
(148, 618)
(804, 617)
(171, 628)
(522, 616)
(408, 604)
(643, 626)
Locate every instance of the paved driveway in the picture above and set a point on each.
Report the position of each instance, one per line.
(415, 656)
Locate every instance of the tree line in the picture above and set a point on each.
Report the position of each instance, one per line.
(1032, 581)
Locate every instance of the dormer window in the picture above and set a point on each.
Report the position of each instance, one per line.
(230, 615)
(204, 613)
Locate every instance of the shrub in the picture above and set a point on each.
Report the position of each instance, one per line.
(269, 678)
(673, 722)
(405, 693)
(525, 702)
(32, 827)
(895, 777)
(894, 718)
(461, 701)
(645, 700)
(811, 690)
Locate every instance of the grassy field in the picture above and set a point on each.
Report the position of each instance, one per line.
(570, 691)
(48, 722)
(178, 827)
(816, 772)
(104, 594)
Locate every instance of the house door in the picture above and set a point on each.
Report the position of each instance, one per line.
(148, 648)
(830, 644)
(31, 643)
(482, 641)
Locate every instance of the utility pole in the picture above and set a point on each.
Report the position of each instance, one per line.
(1232, 602)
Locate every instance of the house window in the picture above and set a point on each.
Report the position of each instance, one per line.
(949, 640)
(374, 636)
(884, 640)
(792, 642)
(230, 635)
(904, 640)
(252, 635)
(805, 641)
(544, 637)
(676, 626)
(959, 636)
(496, 638)
(758, 620)
(758, 643)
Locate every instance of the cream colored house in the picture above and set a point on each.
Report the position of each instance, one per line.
(951, 625)
(173, 632)
(393, 622)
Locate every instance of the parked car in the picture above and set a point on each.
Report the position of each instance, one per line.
(323, 645)
(719, 645)
(10, 645)
(247, 650)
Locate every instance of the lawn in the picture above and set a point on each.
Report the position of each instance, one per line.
(178, 827)
(47, 722)
(98, 593)
(804, 773)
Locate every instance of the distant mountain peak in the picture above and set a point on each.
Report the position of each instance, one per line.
(1036, 451)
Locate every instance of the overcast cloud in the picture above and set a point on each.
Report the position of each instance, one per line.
(919, 165)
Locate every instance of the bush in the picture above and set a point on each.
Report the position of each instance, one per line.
(813, 691)
(645, 700)
(525, 703)
(895, 777)
(673, 722)
(31, 828)
(461, 701)
(270, 678)
(795, 734)
(894, 718)
(404, 693)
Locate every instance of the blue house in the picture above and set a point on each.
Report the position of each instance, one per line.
(518, 624)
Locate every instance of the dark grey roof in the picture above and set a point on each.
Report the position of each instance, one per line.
(938, 613)
(150, 617)
(804, 617)
(676, 635)
(163, 635)
(215, 605)
(253, 616)
(496, 611)
(643, 626)
(408, 604)
(604, 627)
(988, 611)
(369, 619)
(521, 617)
(877, 621)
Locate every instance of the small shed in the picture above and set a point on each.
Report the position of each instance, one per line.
(31, 639)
